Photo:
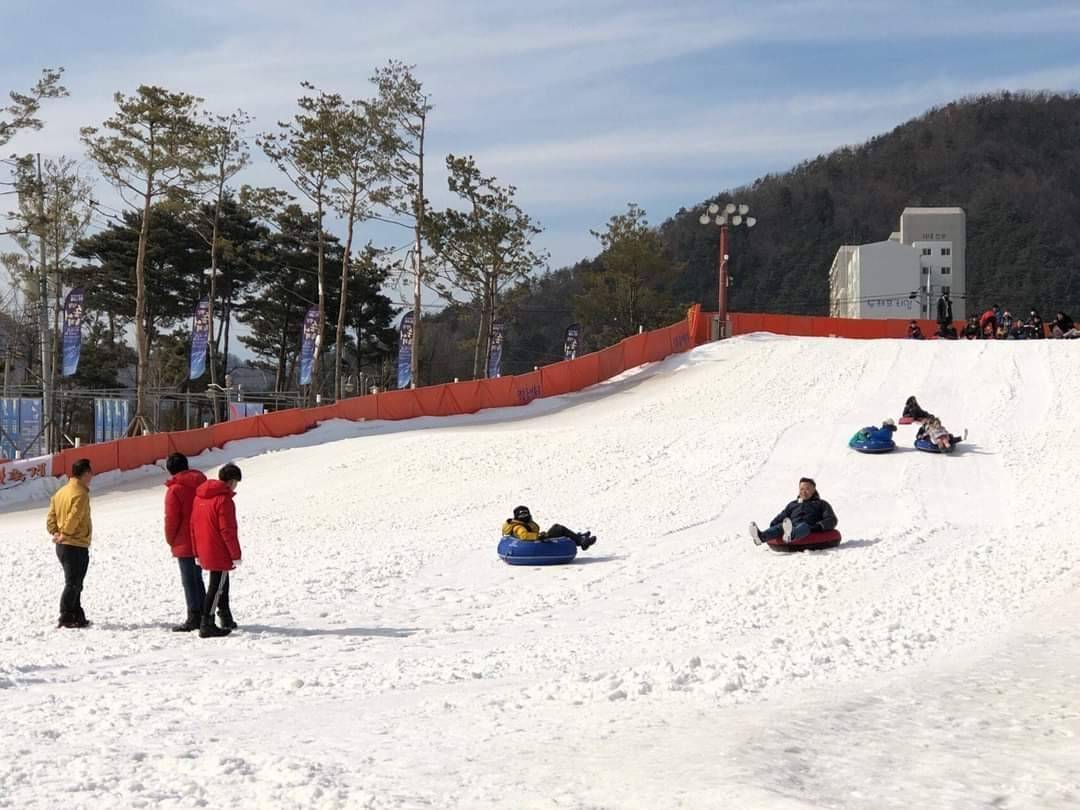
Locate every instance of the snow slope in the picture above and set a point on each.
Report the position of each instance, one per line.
(388, 659)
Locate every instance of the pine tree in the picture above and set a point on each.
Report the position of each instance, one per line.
(150, 149)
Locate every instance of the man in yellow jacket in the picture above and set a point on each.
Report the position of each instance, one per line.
(522, 527)
(70, 526)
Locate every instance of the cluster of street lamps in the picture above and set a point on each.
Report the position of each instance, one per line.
(732, 214)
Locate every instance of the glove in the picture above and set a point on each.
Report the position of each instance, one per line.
(236, 563)
(542, 536)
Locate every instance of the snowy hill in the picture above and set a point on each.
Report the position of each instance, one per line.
(387, 658)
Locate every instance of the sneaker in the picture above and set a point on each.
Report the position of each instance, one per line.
(755, 533)
(226, 619)
(787, 529)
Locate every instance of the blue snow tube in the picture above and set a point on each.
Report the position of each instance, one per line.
(872, 445)
(554, 551)
(873, 440)
(927, 446)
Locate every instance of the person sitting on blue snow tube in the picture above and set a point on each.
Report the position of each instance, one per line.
(805, 515)
(521, 527)
(934, 437)
(874, 439)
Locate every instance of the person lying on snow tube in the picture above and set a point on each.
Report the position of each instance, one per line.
(521, 527)
(936, 435)
(912, 412)
(874, 439)
(805, 515)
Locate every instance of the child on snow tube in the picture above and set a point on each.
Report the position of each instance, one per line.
(934, 436)
(874, 439)
(806, 515)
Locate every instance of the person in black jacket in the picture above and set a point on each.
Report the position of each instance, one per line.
(806, 514)
(971, 331)
(1034, 326)
(912, 410)
(944, 311)
(914, 331)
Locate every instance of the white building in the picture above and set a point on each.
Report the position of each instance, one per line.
(904, 276)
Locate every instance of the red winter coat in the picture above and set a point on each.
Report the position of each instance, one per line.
(178, 502)
(213, 527)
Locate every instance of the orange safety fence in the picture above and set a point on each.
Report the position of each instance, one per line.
(434, 400)
(812, 326)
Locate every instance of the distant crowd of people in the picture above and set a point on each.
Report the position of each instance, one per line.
(997, 324)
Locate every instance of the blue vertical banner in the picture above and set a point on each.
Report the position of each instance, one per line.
(30, 428)
(307, 347)
(495, 347)
(72, 343)
(200, 339)
(405, 347)
(9, 427)
(111, 418)
(242, 410)
(570, 343)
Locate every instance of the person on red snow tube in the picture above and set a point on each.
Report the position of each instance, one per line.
(521, 527)
(805, 515)
(912, 412)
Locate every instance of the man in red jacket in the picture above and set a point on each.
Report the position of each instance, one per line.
(179, 500)
(216, 545)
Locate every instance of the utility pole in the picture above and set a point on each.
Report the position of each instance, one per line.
(415, 370)
(43, 318)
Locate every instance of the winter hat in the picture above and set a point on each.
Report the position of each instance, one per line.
(888, 423)
(522, 513)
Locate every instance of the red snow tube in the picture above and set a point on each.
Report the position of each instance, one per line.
(812, 542)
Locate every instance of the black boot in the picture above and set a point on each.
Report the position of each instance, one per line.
(225, 615)
(66, 620)
(207, 629)
(586, 540)
(194, 620)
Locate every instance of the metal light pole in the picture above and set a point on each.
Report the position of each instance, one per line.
(733, 214)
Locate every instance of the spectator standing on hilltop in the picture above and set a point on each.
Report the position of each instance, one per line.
(71, 528)
(944, 311)
(988, 321)
(1034, 326)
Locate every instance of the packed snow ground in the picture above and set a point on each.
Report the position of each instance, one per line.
(387, 658)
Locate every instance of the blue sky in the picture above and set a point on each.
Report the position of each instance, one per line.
(584, 106)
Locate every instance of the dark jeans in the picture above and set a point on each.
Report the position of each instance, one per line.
(217, 595)
(75, 561)
(191, 577)
(798, 531)
(558, 530)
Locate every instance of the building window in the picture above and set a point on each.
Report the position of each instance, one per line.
(946, 289)
(946, 251)
(946, 270)
(927, 251)
(925, 270)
